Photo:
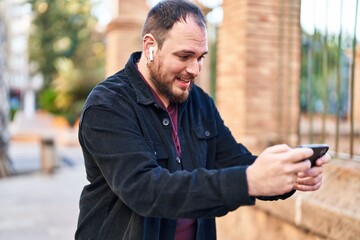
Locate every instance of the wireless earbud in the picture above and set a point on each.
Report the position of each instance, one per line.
(151, 54)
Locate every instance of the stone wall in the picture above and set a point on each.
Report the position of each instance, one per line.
(332, 213)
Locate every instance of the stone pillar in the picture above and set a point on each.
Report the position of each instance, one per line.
(123, 33)
(258, 71)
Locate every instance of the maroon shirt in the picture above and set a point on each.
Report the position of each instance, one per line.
(185, 227)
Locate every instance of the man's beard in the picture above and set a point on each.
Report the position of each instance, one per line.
(164, 86)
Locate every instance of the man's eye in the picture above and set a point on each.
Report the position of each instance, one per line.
(183, 58)
(201, 58)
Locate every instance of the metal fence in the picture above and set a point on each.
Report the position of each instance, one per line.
(328, 76)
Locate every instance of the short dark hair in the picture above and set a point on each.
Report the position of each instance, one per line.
(166, 13)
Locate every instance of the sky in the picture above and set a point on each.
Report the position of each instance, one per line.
(102, 8)
(325, 15)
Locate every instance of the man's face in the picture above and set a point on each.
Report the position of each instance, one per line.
(179, 61)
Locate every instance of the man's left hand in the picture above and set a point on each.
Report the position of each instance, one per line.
(311, 179)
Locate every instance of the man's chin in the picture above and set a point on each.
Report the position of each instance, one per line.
(180, 98)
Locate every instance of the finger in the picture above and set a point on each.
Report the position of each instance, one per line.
(312, 172)
(280, 148)
(323, 160)
(309, 181)
(301, 166)
(299, 154)
(307, 188)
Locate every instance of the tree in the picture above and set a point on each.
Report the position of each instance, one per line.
(4, 106)
(68, 51)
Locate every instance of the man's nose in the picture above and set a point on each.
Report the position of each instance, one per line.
(194, 68)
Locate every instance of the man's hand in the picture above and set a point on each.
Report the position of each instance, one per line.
(276, 170)
(310, 180)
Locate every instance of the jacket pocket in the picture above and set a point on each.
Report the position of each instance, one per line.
(205, 132)
(162, 156)
(203, 143)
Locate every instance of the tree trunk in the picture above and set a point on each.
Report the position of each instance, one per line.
(4, 91)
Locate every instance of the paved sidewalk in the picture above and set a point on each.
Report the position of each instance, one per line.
(36, 206)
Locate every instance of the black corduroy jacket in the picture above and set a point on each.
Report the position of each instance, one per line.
(138, 185)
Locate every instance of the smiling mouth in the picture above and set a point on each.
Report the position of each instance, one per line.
(184, 80)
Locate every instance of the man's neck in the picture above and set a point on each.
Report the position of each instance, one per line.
(144, 70)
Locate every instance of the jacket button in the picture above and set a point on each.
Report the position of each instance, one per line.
(166, 122)
(207, 133)
(178, 160)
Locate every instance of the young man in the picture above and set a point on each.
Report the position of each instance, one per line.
(160, 161)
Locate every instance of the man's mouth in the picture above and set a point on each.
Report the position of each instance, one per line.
(184, 83)
(184, 80)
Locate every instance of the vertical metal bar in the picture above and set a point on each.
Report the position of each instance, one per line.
(352, 85)
(325, 77)
(290, 75)
(338, 80)
(280, 71)
(299, 116)
(310, 80)
(213, 63)
(308, 88)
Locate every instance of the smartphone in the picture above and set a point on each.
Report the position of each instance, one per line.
(319, 151)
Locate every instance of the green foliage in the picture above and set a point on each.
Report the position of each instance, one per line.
(46, 99)
(66, 49)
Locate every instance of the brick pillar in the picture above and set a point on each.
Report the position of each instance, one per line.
(258, 70)
(123, 33)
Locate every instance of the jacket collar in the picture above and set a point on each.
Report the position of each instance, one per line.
(142, 90)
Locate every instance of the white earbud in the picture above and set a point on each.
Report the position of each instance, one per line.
(151, 54)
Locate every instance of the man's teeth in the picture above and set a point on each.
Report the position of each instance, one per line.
(184, 80)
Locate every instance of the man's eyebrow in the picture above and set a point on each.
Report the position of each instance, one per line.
(189, 52)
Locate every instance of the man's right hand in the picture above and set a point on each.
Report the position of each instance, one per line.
(276, 169)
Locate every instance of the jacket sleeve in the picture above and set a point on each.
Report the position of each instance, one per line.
(118, 152)
(230, 153)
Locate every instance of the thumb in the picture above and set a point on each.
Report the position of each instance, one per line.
(280, 148)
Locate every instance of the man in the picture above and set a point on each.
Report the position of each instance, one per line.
(160, 161)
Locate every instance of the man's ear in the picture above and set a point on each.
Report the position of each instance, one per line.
(149, 46)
